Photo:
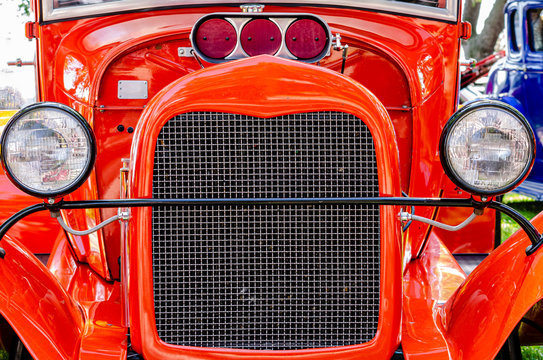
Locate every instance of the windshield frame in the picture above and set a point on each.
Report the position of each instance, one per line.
(49, 14)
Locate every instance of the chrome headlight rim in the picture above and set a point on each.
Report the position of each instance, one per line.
(458, 116)
(85, 127)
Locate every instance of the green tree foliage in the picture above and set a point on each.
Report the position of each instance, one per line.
(24, 7)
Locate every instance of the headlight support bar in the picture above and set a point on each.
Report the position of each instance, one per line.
(533, 234)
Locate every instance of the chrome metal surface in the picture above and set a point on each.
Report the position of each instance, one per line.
(405, 216)
(336, 41)
(276, 276)
(252, 8)
(124, 216)
(132, 89)
(123, 178)
(185, 52)
(56, 215)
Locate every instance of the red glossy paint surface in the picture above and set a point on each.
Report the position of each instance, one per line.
(410, 67)
(446, 317)
(103, 341)
(425, 157)
(428, 281)
(88, 248)
(216, 38)
(45, 317)
(394, 41)
(392, 89)
(259, 37)
(261, 86)
(305, 38)
(103, 336)
(36, 232)
(494, 298)
(468, 239)
(151, 55)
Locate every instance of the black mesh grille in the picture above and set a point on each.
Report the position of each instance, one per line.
(266, 277)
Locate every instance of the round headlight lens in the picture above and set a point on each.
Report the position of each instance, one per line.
(487, 148)
(47, 149)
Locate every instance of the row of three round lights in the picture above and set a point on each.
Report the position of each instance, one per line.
(47, 150)
(487, 148)
(217, 38)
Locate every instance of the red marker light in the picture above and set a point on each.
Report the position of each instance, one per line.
(216, 38)
(305, 39)
(260, 36)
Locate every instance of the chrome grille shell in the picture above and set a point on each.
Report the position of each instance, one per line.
(266, 277)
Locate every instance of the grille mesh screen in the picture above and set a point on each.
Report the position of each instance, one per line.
(266, 277)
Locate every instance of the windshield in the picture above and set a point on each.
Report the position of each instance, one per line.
(68, 3)
(535, 29)
(65, 9)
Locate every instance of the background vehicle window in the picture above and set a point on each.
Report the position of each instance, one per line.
(535, 29)
(516, 31)
(432, 3)
(65, 3)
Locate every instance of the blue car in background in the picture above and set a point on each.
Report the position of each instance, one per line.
(517, 79)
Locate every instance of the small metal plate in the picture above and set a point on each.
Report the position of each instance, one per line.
(184, 52)
(132, 89)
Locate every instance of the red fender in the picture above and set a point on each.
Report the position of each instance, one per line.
(480, 315)
(428, 282)
(26, 229)
(43, 315)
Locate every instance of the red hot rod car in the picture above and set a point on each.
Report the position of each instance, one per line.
(263, 181)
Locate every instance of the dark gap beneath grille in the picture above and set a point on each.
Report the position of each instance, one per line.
(266, 277)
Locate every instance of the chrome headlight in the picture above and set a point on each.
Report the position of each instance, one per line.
(47, 149)
(487, 148)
